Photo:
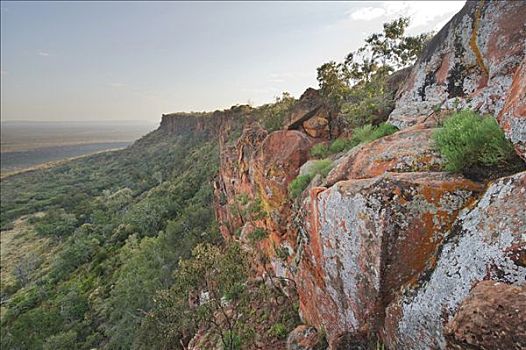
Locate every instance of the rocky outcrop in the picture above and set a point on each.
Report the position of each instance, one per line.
(207, 124)
(367, 238)
(388, 247)
(492, 317)
(486, 243)
(405, 151)
(313, 116)
(470, 63)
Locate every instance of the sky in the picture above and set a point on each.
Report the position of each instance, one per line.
(95, 61)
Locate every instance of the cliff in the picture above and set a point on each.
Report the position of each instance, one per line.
(389, 247)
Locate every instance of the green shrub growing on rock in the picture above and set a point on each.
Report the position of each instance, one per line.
(469, 140)
(338, 145)
(319, 151)
(368, 133)
(300, 183)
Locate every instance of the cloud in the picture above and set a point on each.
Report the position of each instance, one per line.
(367, 13)
(422, 13)
(3, 72)
(43, 53)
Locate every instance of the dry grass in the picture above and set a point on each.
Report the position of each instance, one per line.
(19, 246)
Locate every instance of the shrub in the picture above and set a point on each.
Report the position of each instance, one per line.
(319, 151)
(299, 184)
(368, 133)
(258, 234)
(338, 146)
(369, 102)
(273, 115)
(322, 167)
(468, 140)
(279, 330)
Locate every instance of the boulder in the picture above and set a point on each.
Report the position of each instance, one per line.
(365, 239)
(318, 125)
(470, 63)
(492, 317)
(313, 116)
(486, 243)
(409, 150)
(309, 103)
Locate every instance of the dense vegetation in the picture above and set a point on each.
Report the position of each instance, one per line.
(117, 224)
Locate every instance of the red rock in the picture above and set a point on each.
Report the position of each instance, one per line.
(405, 151)
(234, 178)
(512, 117)
(493, 316)
(277, 163)
(367, 238)
(483, 245)
(318, 125)
(308, 104)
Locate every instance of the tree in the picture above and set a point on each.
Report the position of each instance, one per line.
(385, 52)
(209, 290)
(381, 54)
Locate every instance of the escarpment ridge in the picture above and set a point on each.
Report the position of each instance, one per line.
(388, 247)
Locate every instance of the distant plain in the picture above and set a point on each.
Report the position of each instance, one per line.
(25, 145)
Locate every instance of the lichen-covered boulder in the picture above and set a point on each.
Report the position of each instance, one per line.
(492, 317)
(405, 151)
(486, 243)
(512, 117)
(470, 63)
(365, 239)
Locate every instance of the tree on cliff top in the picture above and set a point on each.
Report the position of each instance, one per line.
(382, 54)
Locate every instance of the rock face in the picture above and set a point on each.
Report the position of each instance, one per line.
(486, 242)
(388, 247)
(492, 317)
(512, 117)
(469, 63)
(367, 238)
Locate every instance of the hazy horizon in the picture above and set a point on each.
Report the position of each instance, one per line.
(122, 61)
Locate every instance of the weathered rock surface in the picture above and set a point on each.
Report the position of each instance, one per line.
(470, 63)
(405, 151)
(487, 242)
(364, 239)
(278, 162)
(235, 178)
(304, 337)
(492, 317)
(313, 116)
(512, 117)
